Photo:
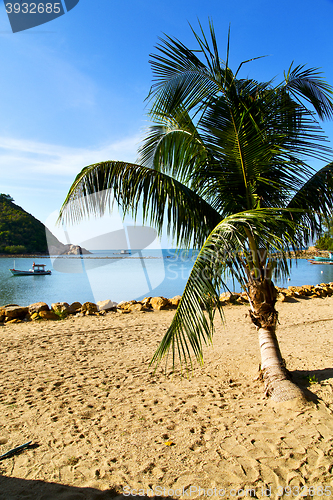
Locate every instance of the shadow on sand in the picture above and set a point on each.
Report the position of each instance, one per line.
(12, 488)
(302, 376)
(302, 379)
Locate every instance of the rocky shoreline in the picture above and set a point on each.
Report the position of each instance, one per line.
(53, 251)
(77, 250)
(13, 313)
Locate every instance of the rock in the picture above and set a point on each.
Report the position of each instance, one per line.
(48, 315)
(289, 295)
(136, 307)
(60, 307)
(76, 250)
(37, 307)
(146, 301)
(159, 303)
(34, 316)
(2, 314)
(106, 305)
(281, 297)
(13, 312)
(126, 304)
(15, 320)
(61, 249)
(175, 300)
(227, 298)
(75, 307)
(307, 290)
(89, 308)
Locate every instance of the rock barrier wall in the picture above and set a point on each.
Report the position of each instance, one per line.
(13, 313)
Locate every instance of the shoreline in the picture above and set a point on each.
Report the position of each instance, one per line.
(14, 313)
(102, 422)
(303, 254)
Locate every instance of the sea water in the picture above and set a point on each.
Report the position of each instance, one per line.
(115, 276)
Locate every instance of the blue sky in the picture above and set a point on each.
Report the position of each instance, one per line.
(72, 91)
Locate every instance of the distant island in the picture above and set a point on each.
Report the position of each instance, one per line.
(22, 234)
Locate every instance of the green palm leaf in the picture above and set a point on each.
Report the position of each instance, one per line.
(309, 85)
(225, 252)
(188, 217)
(316, 193)
(173, 146)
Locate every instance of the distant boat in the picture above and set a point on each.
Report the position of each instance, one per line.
(125, 252)
(37, 270)
(322, 260)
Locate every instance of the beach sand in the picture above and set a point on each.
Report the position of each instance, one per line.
(100, 420)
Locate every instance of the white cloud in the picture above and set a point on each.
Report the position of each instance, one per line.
(26, 158)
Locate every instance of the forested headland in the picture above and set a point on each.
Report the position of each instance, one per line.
(21, 232)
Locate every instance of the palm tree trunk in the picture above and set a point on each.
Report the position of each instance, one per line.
(278, 385)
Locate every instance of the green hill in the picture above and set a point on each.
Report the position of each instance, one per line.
(20, 232)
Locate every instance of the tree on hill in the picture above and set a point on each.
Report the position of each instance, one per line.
(325, 241)
(20, 232)
(225, 167)
(6, 197)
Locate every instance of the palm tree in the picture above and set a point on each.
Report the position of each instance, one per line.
(224, 167)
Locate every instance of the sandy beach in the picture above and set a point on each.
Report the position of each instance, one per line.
(102, 424)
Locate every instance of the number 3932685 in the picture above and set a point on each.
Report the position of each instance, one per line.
(33, 8)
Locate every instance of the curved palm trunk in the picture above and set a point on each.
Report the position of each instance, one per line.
(278, 385)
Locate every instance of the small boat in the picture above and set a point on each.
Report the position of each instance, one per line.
(37, 270)
(329, 262)
(322, 260)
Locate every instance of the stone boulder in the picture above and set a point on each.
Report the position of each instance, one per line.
(281, 297)
(15, 312)
(48, 315)
(2, 313)
(37, 307)
(146, 302)
(175, 300)
(136, 307)
(75, 307)
(227, 298)
(159, 303)
(105, 305)
(68, 249)
(125, 305)
(242, 300)
(89, 308)
(60, 307)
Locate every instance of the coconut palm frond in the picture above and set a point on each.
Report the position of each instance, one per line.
(308, 84)
(316, 193)
(173, 146)
(162, 199)
(225, 251)
(181, 78)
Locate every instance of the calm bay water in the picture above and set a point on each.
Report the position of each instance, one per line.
(109, 275)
